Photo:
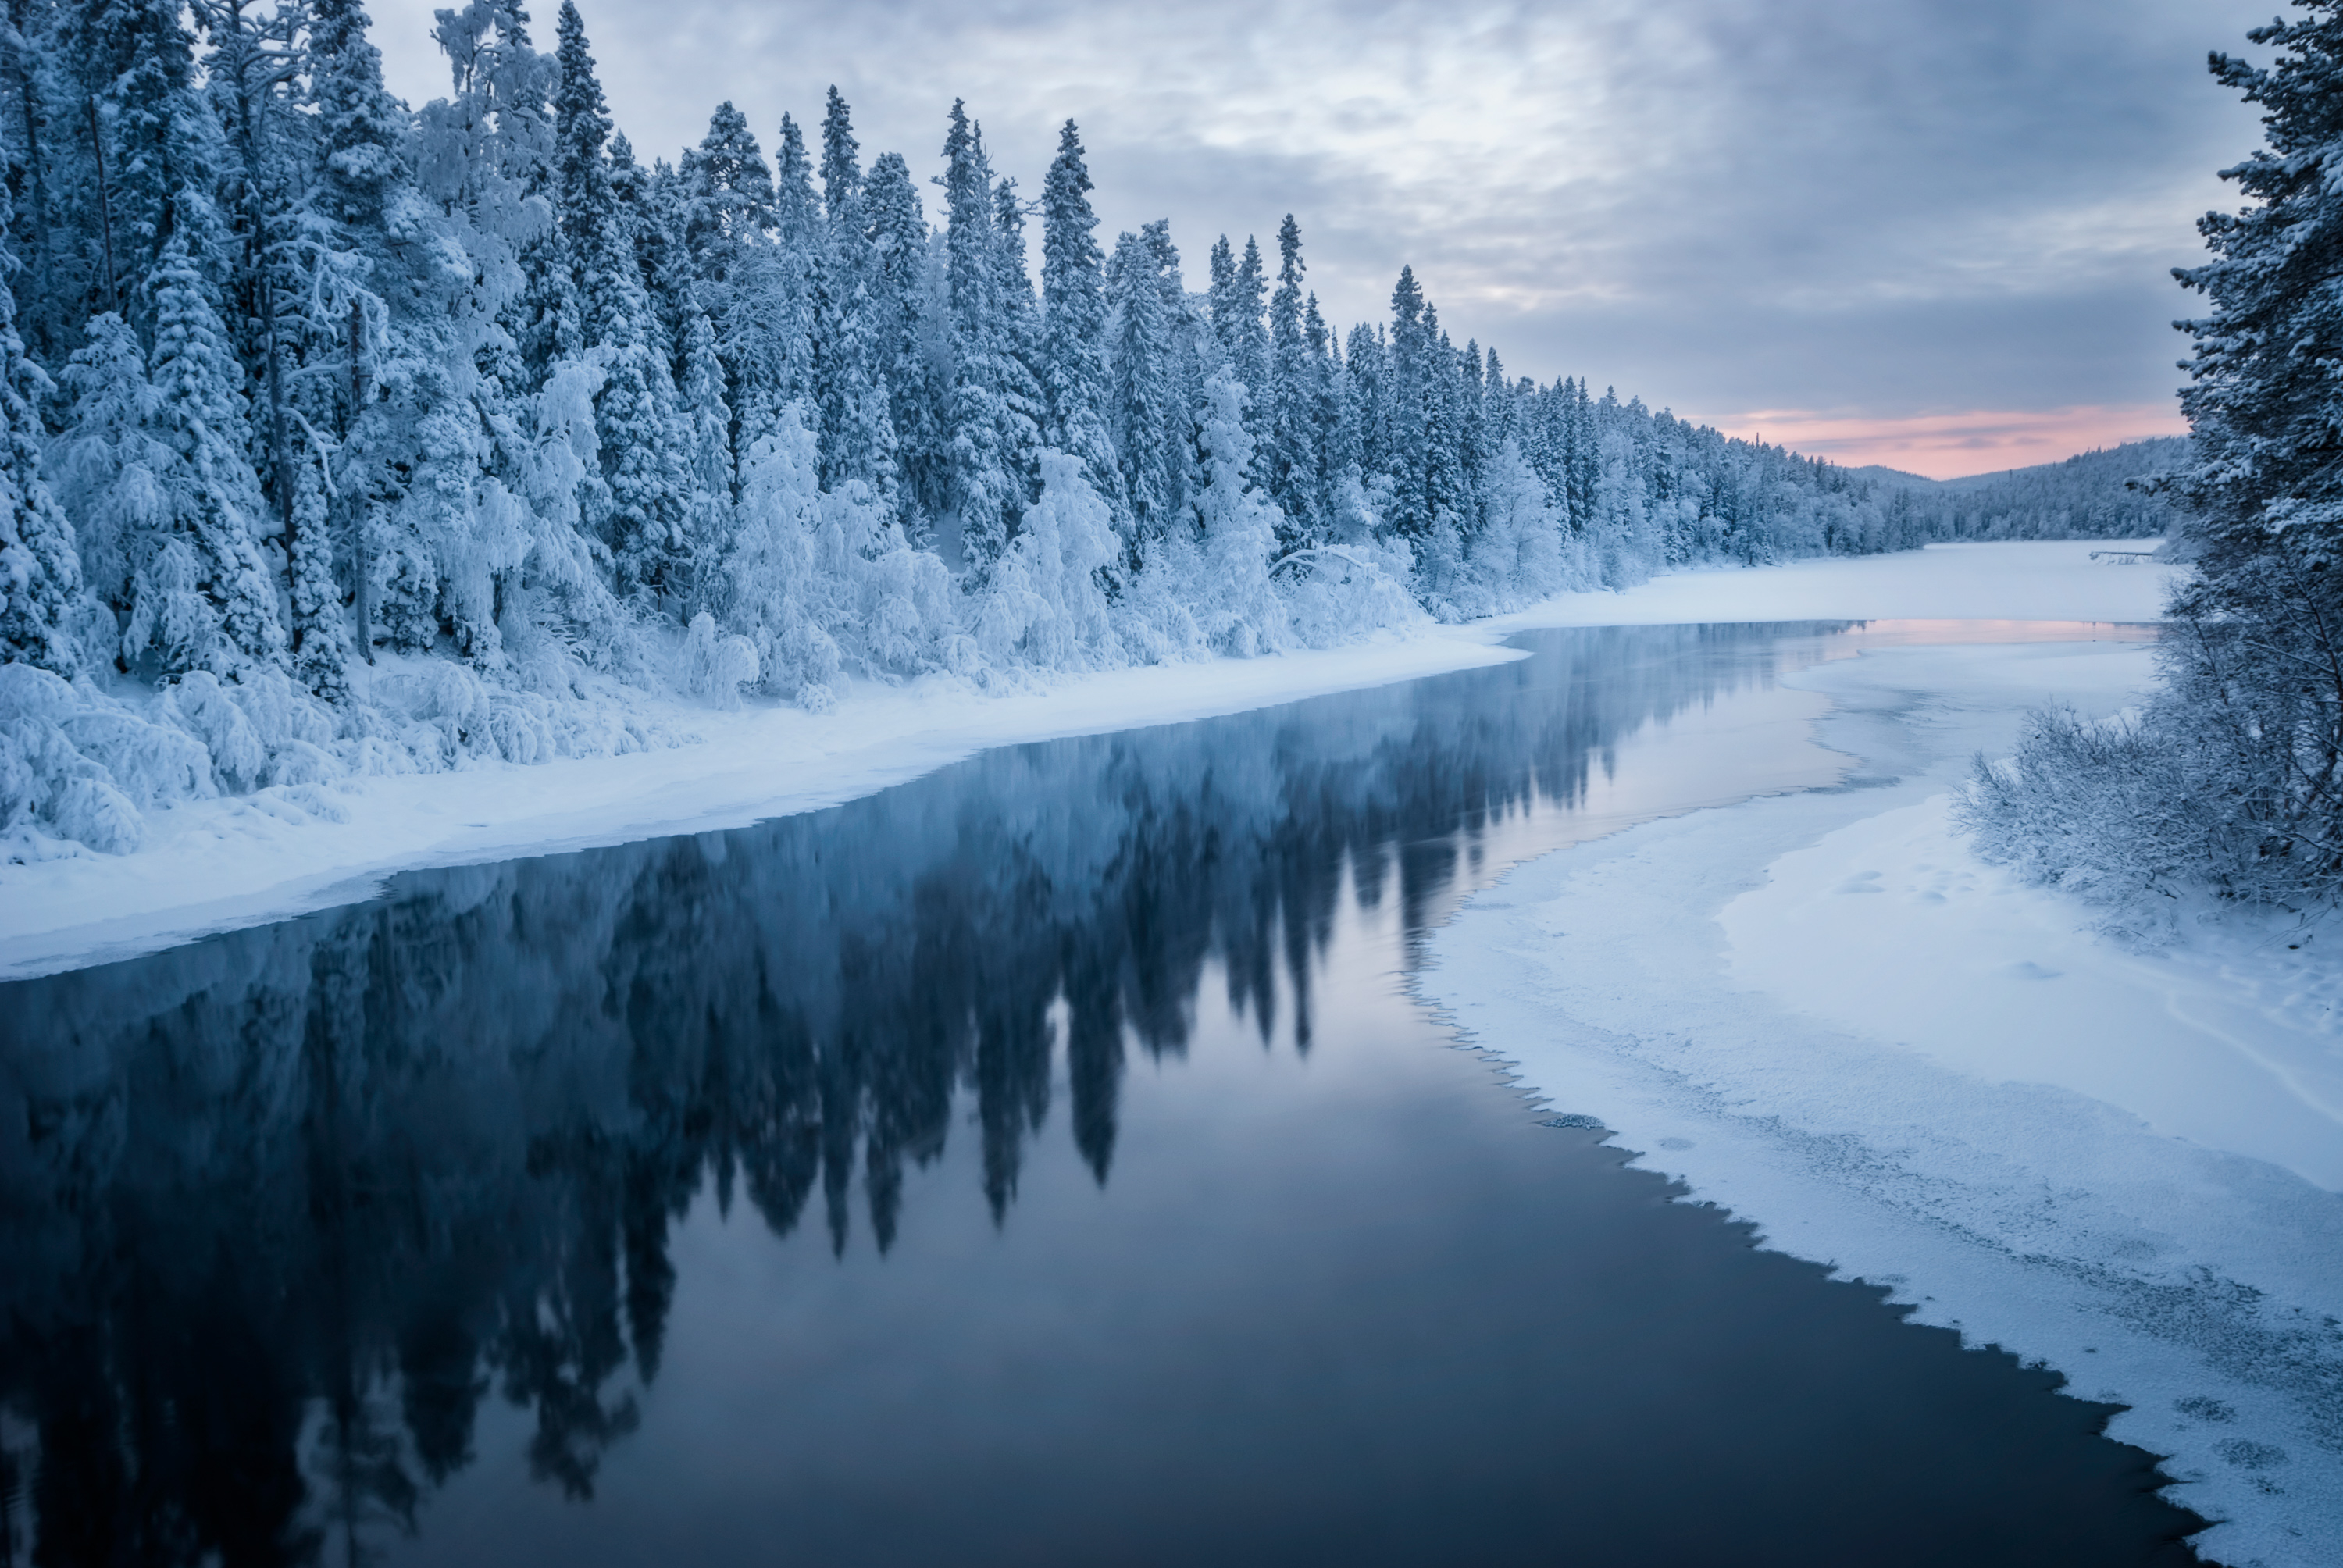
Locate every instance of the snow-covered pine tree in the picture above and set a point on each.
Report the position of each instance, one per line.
(1073, 347)
(649, 204)
(1366, 357)
(40, 567)
(1024, 405)
(600, 260)
(644, 440)
(896, 278)
(1248, 338)
(848, 381)
(1288, 455)
(246, 73)
(202, 594)
(727, 220)
(1146, 412)
(2265, 490)
(842, 170)
(357, 266)
(320, 650)
(152, 147)
(859, 435)
(1234, 601)
(771, 321)
(797, 211)
(1400, 423)
(727, 200)
(1333, 433)
(708, 521)
(34, 148)
(500, 135)
(1221, 297)
(1447, 480)
(981, 489)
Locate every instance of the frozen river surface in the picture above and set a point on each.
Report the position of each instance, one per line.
(1043, 1162)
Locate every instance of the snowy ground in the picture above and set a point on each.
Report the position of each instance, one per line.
(1822, 1012)
(217, 864)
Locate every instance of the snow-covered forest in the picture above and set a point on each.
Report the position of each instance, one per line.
(347, 437)
(2107, 493)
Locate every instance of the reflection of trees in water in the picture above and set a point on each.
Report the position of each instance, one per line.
(277, 1209)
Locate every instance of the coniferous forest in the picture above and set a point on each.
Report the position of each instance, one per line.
(347, 437)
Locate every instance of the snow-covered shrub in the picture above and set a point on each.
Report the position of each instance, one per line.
(197, 704)
(1045, 606)
(1525, 551)
(1232, 598)
(716, 667)
(60, 748)
(773, 592)
(1337, 594)
(2198, 789)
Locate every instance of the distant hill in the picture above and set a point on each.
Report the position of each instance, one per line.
(1881, 473)
(2086, 497)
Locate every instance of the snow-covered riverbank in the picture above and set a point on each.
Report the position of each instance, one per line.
(214, 864)
(1822, 1012)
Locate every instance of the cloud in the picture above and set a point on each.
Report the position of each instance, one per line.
(1903, 206)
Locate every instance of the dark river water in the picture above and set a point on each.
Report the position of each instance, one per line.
(1040, 1163)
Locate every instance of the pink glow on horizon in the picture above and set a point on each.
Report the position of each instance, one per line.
(1948, 446)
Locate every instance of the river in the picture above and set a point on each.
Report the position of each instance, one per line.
(1041, 1161)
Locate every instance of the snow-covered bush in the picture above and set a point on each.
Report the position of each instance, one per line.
(1046, 606)
(714, 666)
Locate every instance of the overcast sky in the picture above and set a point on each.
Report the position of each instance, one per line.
(1931, 233)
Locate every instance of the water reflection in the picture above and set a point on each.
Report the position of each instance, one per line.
(281, 1210)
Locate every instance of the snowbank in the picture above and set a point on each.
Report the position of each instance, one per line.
(235, 859)
(1822, 1012)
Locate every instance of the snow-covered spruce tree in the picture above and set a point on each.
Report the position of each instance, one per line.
(727, 196)
(1236, 605)
(1290, 453)
(351, 264)
(149, 152)
(40, 568)
(861, 456)
(772, 319)
(202, 593)
(1024, 404)
(709, 514)
(1046, 606)
(320, 658)
(643, 439)
(895, 276)
(1074, 346)
(981, 490)
(2233, 774)
(844, 340)
(1147, 412)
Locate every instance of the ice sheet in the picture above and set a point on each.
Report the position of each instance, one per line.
(1823, 1012)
